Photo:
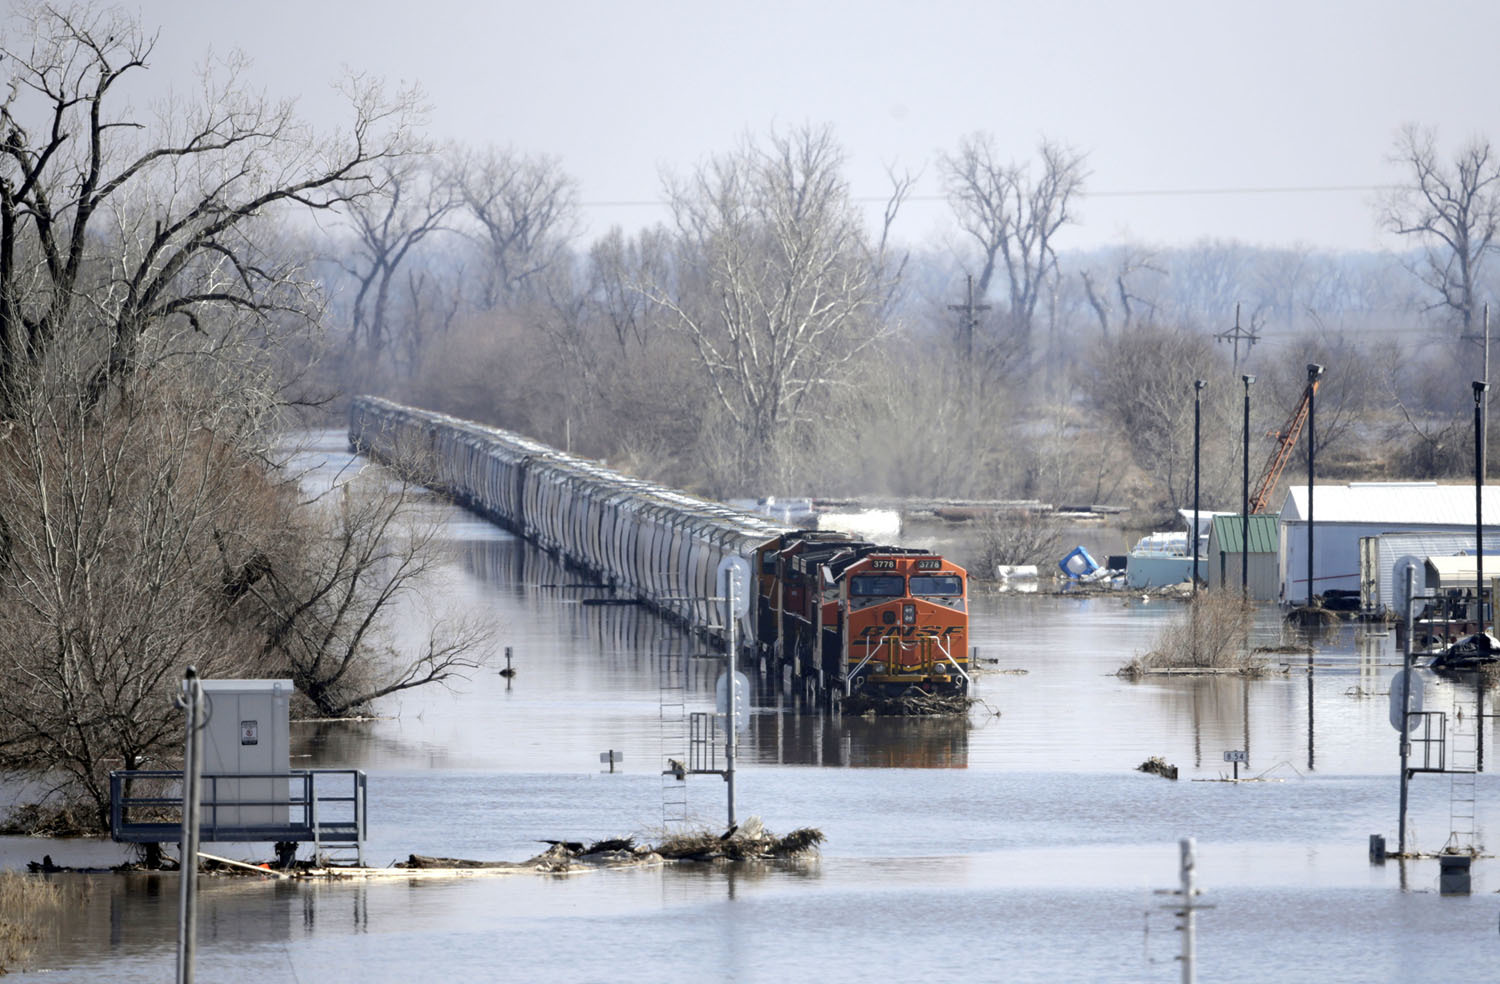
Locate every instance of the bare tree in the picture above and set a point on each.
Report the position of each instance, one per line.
(328, 594)
(127, 529)
(108, 221)
(144, 299)
(1453, 210)
(412, 202)
(525, 208)
(1017, 537)
(617, 266)
(775, 283)
(430, 304)
(1128, 264)
(1143, 383)
(1013, 216)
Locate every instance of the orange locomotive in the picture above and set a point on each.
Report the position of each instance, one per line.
(905, 624)
(865, 618)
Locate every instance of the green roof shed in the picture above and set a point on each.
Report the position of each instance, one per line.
(1225, 539)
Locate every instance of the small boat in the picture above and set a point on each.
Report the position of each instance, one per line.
(1158, 559)
(1161, 559)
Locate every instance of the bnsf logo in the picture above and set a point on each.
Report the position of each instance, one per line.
(910, 632)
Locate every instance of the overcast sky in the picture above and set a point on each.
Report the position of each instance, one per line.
(1267, 122)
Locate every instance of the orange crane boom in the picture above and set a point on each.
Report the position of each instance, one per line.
(1286, 440)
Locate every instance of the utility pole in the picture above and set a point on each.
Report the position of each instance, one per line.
(1480, 388)
(969, 326)
(1236, 335)
(1189, 865)
(1411, 594)
(1198, 385)
(731, 719)
(1484, 400)
(1187, 907)
(970, 311)
(1313, 372)
(1245, 498)
(191, 700)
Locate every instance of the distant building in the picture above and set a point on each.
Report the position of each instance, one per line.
(1385, 558)
(1225, 564)
(1343, 514)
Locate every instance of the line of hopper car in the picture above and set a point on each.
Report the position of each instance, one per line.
(841, 614)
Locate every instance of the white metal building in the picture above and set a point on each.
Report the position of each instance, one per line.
(1342, 514)
(1386, 557)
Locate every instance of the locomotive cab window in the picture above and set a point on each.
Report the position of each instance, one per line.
(878, 585)
(937, 585)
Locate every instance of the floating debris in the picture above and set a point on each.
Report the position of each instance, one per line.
(1469, 653)
(913, 703)
(1158, 766)
(1313, 617)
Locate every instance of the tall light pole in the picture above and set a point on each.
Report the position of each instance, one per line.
(1313, 372)
(1198, 385)
(1479, 389)
(1245, 498)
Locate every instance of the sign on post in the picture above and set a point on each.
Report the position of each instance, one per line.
(741, 700)
(1236, 755)
(734, 583)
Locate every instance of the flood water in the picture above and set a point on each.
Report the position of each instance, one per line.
(1020, 845)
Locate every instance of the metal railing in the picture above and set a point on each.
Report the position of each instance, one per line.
(252, 807)
(927, 662)
(1429, 741)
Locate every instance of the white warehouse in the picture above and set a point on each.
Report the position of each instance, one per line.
(1342, 514)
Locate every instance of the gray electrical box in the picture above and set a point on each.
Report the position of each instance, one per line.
(247, 733)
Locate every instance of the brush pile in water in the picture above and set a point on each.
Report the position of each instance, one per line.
(1158, 766)
(748, 841)
(914, 703)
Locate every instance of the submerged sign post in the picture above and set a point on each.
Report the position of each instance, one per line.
(1237, 755)
(734, 591)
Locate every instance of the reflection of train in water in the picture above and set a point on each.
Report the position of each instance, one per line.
(841, 614)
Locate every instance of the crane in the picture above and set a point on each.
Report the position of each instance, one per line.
(1286, 440)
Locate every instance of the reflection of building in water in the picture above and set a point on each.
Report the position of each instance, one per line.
(119, 908)
(1219, 709)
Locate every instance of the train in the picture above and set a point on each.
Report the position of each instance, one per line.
(840, 615)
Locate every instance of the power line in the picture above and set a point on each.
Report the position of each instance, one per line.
(1120, 193)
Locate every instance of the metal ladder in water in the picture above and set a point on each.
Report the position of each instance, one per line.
(1462, 766)
(674, 738)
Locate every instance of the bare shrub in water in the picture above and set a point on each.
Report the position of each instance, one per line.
(1213, 633)
(27, 905)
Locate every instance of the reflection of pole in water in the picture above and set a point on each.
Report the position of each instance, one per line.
(1197, 724)
(1309, 707)
(1245, 701)
(1479, 718)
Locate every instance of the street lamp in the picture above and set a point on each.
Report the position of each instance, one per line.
(1245, 498)
(1313, 372)
(1198, 385)
(1479, 390)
